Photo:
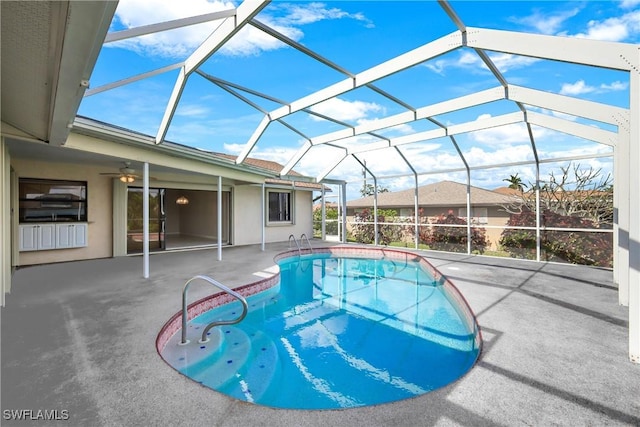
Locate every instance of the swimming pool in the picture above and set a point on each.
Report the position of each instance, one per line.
(339, 329)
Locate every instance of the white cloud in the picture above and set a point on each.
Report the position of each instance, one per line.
(577, 88)
(628, 4)
(295, 14)
(615, 86)
(471, 62)
(346, 110)
(502, 135)
(180, 43)
(625, 27)
(580, 87)
(192, 111)
(547, 23)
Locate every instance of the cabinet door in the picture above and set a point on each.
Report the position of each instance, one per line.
(64, 236)
(80, 235)
(46, 236)
(28, 238)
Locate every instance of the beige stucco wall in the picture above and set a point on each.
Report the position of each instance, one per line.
(247, 218)
(99, 209)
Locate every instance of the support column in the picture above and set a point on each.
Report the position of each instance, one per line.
(375, 211)
(145, 221)
(538, 214)
(343, 202)
(219, 218)
(468, 211)
(5, 221)
(634, 210)
(621, 212)
(323, 215)
(416, 204)
(263, 217)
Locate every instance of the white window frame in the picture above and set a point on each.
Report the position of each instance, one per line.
(477, 216)
(291, 194)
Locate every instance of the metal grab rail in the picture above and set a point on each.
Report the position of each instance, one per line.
(308, 242)
(291, 236)
(219, 285)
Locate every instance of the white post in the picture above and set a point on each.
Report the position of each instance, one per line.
(145, 220)
(468, 211)
(263, 217)
(538, 213)
(219, 218)
(344, 212)
(323, 216)
(375, 211)
(415, 208)
(634, 209)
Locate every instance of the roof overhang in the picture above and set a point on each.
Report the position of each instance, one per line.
(47, 61)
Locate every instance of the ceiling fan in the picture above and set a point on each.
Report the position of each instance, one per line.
(126, 174)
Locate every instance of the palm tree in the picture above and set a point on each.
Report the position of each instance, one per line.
(515, 182)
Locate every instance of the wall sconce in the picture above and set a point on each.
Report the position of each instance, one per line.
(182, 201)
(127, 179)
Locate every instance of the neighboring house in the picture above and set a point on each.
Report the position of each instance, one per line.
(439, 199)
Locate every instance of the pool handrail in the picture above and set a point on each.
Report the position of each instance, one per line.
(219, 285)
(291, 236)
(303, 235)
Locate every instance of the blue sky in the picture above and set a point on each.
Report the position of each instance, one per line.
(357, 35)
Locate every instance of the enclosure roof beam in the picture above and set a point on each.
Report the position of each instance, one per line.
(227, 29)
(132, 79)
(566, 104)
(598, 53)
(590, 133)
(329, 169)
(167, 25)
(490, 95)
(416, 56)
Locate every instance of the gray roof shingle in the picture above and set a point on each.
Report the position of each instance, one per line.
(443, 193)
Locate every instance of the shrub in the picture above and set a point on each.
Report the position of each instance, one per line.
(454, 239)
(363, 229)
(331, 227)
(577, 247)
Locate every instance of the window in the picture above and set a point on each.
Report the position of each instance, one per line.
(478, 215)
(44, 200)
(280, 206)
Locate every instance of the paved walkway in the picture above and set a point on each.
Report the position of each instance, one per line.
(80, 337)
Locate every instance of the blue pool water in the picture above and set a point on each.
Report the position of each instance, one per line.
(335, 333)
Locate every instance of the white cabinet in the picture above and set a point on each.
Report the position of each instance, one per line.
(46, 237)
(41, 237)
(37, 237)
(28, 238)
(71, 235)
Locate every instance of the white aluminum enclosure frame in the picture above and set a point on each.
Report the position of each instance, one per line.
(625, 140)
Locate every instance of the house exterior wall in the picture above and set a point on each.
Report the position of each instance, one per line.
(248, 222)
(99, 209)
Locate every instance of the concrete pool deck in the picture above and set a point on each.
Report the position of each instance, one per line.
(80, 337)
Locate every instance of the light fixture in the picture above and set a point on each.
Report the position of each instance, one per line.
(127, 178)
(182, 201)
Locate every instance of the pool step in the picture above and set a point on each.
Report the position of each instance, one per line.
(242, 367)
(254, 378)
(220, 366)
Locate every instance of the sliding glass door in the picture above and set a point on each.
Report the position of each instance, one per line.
(135, 219)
